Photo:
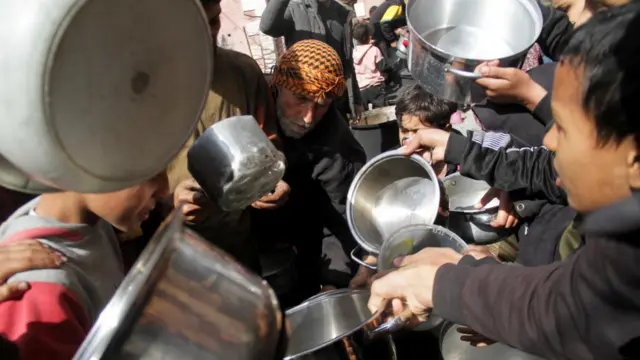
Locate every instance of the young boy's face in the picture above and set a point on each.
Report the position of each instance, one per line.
(593, 174)
(410, 124)
(127, 209)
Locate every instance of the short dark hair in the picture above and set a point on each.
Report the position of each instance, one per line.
(207, 2)
(414, 100)
(362, 32)
(606, 48)
(372, 9)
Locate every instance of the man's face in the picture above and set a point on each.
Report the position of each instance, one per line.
(213, 11)
(593, 174)
(298, 115)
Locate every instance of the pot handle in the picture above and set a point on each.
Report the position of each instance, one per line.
(461, 73)
(395, 324)
(355, 258)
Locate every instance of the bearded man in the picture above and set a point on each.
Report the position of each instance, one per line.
(322, 160)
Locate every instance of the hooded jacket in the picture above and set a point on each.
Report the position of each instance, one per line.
(368, 61)
(586, 307)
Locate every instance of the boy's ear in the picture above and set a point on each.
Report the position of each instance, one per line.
(634, 168)
(447, 128)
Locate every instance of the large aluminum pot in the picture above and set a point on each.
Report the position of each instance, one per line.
(377, 131)
(99, 95)
(471, 224)
(450, 38)
(412, 239)
(391, 191)
(337, 325)
(186, 299)
(455, 349)
(235, 163)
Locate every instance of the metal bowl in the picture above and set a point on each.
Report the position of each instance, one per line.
(390, 192)
(471, 224)
(410, 240)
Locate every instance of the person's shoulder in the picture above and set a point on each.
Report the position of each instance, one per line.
(228, 58)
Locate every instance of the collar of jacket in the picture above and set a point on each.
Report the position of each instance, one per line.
(617, 219)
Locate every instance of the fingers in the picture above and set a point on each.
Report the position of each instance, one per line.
(12, 290)
(189, 192)
(384, 288)
(487, 197)
(411, 146)
(27, 255)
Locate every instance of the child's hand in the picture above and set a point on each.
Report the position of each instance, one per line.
(195, 205)
(22, 256)
(474, 338)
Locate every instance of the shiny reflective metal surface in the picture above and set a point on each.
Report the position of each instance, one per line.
(390, 192)
(378, 116)
(337, 325)
(99, 95)
(235, 163)
(471, 224)
(410, 240)
(455, 349)
(186, 299)
(450, 38)
(14, 179)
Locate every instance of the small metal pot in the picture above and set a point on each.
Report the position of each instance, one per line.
(338, 325)
(453, 348)
(377, 131)
(450, 38)
(235, 163)
(186, 299)
(471, 224)
(410, 240)
(390, 192)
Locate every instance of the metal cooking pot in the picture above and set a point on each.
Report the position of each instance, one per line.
(391, 191)
(377, 131)
(278, 268)
(455, 349)
(235, 163)
(471, 224)
(410, 240)
(99, 95)
(186, 299)
(338, 325)
(450, 38)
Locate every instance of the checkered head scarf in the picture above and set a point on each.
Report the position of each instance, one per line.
(312, 69)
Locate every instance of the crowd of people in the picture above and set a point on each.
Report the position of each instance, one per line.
(558, 135)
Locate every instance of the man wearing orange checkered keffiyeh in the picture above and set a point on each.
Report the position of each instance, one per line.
(308, 77)
(322, 160)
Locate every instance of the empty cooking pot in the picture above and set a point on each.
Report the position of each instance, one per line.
(338, 325)
(235, 163)
(186, 299)
(99, 95)
(450, 38)
(390, 192)
(471, 224)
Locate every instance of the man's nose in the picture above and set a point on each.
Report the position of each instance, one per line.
(308, 116)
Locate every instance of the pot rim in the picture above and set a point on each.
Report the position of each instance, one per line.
(355, 184)
(319, 298)
(532, 8)
(490, 206)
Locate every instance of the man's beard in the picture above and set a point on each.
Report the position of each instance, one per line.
(288, 127)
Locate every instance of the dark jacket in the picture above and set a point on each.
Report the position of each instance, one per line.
(306, 19)
(320, 168)
(556, 31)
(586, 307)
(386, 19)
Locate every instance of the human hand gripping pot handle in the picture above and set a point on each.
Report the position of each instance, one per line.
(430, 143)
(412, 283)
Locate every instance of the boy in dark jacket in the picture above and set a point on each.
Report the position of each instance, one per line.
(587, 306)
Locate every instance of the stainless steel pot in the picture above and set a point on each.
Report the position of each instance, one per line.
(235, 163)
(391, 191)
(410, 240)
(338, 325)
(471, 224)
(450, 38)
(99, 95)
(186, 299)
(453, 348)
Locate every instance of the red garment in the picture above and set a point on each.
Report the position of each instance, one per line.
(533, 59)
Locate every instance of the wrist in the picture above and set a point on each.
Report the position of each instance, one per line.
(533, 95)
